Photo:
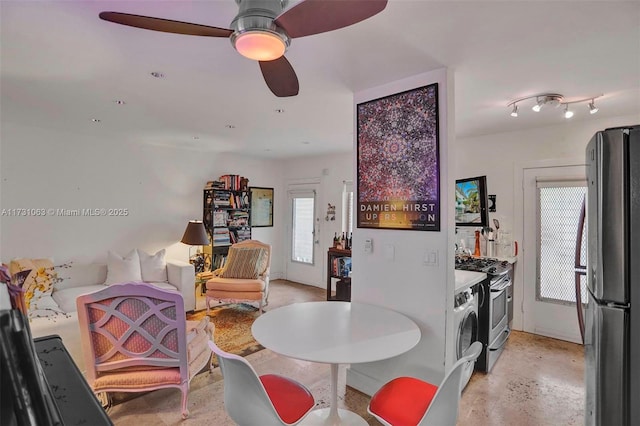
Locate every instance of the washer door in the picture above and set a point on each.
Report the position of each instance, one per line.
(467, 332)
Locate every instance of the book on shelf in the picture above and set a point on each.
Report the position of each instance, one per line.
(218, 261)
(341, 266)
(234, 182)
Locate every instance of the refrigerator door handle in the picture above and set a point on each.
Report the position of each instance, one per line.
(615, 305)
(579, 268)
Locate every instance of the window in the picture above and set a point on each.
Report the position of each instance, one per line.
(303, 205)
(559, 207)
(347, 207)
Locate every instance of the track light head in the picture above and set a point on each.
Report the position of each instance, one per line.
(592, 107)
(514, 112)
(567, 113)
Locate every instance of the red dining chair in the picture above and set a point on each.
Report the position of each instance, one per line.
(269, 399)
(407, 401)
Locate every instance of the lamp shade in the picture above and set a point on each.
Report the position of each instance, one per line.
(195, 234)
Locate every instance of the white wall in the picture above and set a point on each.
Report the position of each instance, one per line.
(331, 171)
(502, 157)
(160, 186)
(406, 284)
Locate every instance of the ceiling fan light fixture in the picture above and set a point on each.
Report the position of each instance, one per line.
(260, 45)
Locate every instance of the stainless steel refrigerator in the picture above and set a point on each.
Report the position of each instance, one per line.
(612, 319)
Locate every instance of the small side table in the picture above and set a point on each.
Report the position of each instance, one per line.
(201, 281)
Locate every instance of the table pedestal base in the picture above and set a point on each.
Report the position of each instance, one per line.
(321, 417)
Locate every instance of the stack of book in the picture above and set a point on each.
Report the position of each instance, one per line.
(238, 218)
(222, 198)
(240, 234)
(221, 237)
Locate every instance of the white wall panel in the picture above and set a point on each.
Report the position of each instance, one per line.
(405, 283)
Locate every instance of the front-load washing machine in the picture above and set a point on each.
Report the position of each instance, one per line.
(465, 315)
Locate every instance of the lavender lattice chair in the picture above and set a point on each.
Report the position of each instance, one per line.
(135, 338)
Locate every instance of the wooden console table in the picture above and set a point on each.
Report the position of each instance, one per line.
(345, 293)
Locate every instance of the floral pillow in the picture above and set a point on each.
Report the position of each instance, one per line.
(38, 276)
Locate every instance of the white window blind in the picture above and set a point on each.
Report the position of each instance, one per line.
(303, 227)
(559, 207)
(347, 207)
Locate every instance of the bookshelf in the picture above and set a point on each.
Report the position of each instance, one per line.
(338, 269)
(226, 216)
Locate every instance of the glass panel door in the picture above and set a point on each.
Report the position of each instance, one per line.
(303, 231)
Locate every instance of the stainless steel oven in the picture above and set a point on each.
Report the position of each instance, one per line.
(495, 302)
(498, 316)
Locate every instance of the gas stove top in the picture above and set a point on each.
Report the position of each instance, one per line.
(487, 265)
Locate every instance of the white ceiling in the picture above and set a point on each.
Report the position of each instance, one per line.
(62, 66)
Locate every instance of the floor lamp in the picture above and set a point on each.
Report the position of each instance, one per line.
(195, 235)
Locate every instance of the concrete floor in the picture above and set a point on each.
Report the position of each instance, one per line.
(537, 381)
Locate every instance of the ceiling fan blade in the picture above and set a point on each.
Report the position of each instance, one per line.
(164, 25)
(280, 77)
(318, 16)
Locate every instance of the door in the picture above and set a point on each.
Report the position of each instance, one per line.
(303, 264)
(552, 204)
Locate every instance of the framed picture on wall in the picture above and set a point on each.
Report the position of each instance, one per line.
(261, 207)
(398, 161)
(471, 202)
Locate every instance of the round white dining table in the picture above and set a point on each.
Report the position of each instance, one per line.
(335, 333)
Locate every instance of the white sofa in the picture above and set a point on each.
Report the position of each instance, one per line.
(82, 279)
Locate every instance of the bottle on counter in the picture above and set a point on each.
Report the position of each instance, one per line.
(476, 251)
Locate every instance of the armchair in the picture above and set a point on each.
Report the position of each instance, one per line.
(135, 338)
(245, 276)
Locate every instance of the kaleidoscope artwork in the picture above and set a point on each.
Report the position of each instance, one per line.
(398, 161)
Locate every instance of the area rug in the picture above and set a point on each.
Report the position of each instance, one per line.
(232, 327)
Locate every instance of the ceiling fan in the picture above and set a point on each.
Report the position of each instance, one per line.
(262, 30)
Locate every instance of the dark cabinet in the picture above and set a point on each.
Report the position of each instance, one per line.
(339, 272)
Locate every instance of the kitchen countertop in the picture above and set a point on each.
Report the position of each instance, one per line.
(465, 279)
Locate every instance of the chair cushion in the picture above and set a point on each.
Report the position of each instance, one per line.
(137, 380)
(235, 284)
(243, 262)
(290, 399)
(403, 401)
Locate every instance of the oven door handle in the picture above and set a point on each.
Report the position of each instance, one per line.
(505, 336)
(497, 288)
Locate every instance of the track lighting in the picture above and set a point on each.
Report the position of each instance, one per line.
(544, 100)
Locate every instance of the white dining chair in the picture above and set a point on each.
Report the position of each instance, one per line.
(411, 401)
(269, 399)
